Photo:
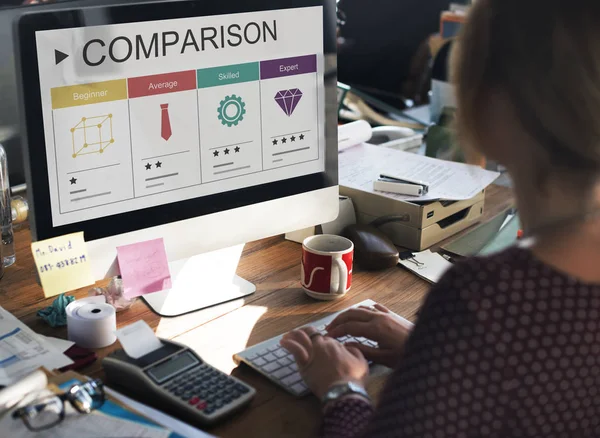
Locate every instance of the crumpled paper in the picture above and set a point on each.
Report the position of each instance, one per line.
(114, 294)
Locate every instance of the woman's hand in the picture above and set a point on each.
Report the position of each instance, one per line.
(323, 361)
(377, 324)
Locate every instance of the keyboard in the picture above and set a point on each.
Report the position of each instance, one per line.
(274, 362)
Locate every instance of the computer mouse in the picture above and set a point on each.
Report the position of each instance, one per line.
(373, 250)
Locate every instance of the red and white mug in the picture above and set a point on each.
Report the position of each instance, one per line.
(326, 271)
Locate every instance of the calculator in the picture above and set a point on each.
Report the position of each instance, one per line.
(177, 381)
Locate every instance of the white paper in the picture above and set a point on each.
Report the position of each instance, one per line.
(138, 339)
(14, 393)
(22, 351)
(94, 425)
(159, 417)
(353, 133)
(360, 165)
(91, 322)
(431, 266)
(60, 344)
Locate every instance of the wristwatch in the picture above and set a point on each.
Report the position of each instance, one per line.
(339, 390)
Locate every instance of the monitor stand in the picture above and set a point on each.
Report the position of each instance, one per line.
(201, 281)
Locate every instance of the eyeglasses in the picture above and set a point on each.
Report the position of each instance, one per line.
(49, 411)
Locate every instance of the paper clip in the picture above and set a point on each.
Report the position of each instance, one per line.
(410, 257)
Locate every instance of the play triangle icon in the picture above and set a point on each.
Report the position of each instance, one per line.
(59, 56)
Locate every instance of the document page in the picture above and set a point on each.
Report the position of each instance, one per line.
(22, 350)
(360, 165)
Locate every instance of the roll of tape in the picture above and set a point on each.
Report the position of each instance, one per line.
(91, 322)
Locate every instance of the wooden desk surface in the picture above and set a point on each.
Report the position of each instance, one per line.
(278, 306)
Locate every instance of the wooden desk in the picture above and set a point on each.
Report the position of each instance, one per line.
(278, 306)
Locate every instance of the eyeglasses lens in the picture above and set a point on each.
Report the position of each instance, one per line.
(44, 414)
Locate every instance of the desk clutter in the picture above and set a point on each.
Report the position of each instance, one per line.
(70, 405)
(168, 375)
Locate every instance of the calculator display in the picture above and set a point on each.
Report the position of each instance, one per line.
(173, 366)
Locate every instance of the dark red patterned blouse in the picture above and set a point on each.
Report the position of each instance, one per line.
(504, 346)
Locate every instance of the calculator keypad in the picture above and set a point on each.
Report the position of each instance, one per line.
(206, 389)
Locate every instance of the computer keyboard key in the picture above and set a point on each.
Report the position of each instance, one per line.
(201, 406)
(270, 367)
(252, 356)
(273, 347)
(294, 366)
(299, 388)
(284, 361)
(263, 352)
(282, 372)
(259, 362)
(291, 379)
(280, 353)
(269, 357)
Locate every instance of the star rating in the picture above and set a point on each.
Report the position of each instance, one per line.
(215, 153)
(73, 180)
(236, 149)
(148, 166)
(158, 164)
(226, 151)
(291, 137)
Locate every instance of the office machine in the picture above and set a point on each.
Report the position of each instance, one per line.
(208, 124)
(176, 380)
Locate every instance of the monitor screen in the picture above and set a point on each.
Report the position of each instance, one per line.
(187, 113)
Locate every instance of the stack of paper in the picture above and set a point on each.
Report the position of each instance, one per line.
(360, 165)
(430, 266)
(23, 351)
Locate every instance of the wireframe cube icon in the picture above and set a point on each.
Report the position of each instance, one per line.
(92, 135)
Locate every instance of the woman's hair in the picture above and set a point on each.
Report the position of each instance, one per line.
(544, 57)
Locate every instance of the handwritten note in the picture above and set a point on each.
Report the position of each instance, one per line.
(63, 263)
(144, 268)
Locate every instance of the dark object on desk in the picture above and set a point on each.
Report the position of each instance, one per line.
(373, 250)
(81, 357)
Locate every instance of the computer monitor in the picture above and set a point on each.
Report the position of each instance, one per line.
(207, 124)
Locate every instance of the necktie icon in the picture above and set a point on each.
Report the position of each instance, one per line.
(165, 122)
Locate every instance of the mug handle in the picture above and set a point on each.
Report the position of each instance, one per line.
(343, 275)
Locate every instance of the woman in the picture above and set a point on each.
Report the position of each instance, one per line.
(507, 345)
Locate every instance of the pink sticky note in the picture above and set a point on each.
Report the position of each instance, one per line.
(144, 268)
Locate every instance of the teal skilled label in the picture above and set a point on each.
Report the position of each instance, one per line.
(229, 74)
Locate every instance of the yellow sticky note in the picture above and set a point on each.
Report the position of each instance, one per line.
(62, 263)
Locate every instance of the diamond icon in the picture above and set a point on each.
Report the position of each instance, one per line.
(288, 100)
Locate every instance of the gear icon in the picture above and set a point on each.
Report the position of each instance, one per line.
(231, 110)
